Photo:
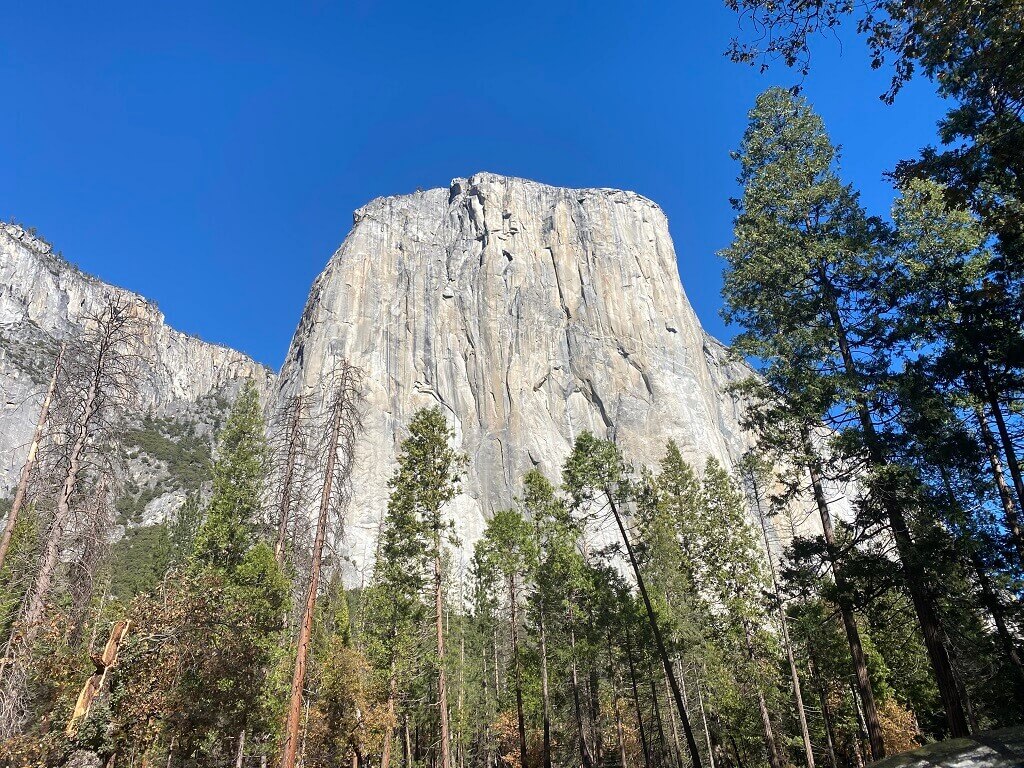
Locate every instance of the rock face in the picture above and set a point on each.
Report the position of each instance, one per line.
(43, 300)
(529, 313)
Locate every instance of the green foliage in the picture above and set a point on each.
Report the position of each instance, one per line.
(139, 560)
(232, 515)
(175, 443)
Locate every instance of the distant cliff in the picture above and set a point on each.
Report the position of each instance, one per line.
(184, 383)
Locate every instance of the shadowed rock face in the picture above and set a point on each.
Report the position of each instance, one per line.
(44, 301)
(529, 313)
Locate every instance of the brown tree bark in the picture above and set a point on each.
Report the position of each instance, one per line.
(857, 657)
(340, 437)
(30, 462)
(916, 578)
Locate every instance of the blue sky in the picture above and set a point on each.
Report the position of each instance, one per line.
(210, 157)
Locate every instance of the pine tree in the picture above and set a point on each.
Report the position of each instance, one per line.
(503, 560)
(425, 482)
(803, 281)
(596, 473)
(236, 593)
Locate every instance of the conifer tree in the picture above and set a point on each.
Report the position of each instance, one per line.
(503, 560)
(596, 473)
(425, 482)
(803, 281)
(237, 594)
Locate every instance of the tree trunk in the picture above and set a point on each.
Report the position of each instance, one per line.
(385, 757)
(51, 549)
(407, 741)
(656, 631)
(514, 629)
(917, 582)
(240, 755)
(786, 643)
(306, 629)
(545, 697)
(704, 718)
(861, 730)
(677, 748)
(442, 682)
(998, 613)
(595, 716)
(860, 667)
(767, 731)
(30, 462)
(585, 755)
(1004, 435)
(636, 700)
(616, 704)
(662, 741)
(619, 736)
(1005, 499)
(284, 507)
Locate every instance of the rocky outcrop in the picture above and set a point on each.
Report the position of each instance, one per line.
(529, 313)
(44, 299)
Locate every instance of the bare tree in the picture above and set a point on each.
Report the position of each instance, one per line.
(755, 476)
(96, 386)
(289, 441)
(30, 461)
(341, 411)
(89, 550)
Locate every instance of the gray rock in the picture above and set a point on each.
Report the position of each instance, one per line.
(43, 300)
(528, 313)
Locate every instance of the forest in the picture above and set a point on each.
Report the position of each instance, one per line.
(849, 589)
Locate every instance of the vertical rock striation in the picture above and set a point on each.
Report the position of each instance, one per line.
(529, 313)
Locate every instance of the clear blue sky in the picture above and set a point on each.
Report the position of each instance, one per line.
(210, 158)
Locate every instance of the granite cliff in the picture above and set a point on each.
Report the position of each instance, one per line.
(183, 387)
(529, 313)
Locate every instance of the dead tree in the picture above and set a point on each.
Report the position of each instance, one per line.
(98, 391)
(753, 478)
(30, 461)
(94, 686)
(96, 386)
(341, 412)
(289, 448)
(90, 548)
